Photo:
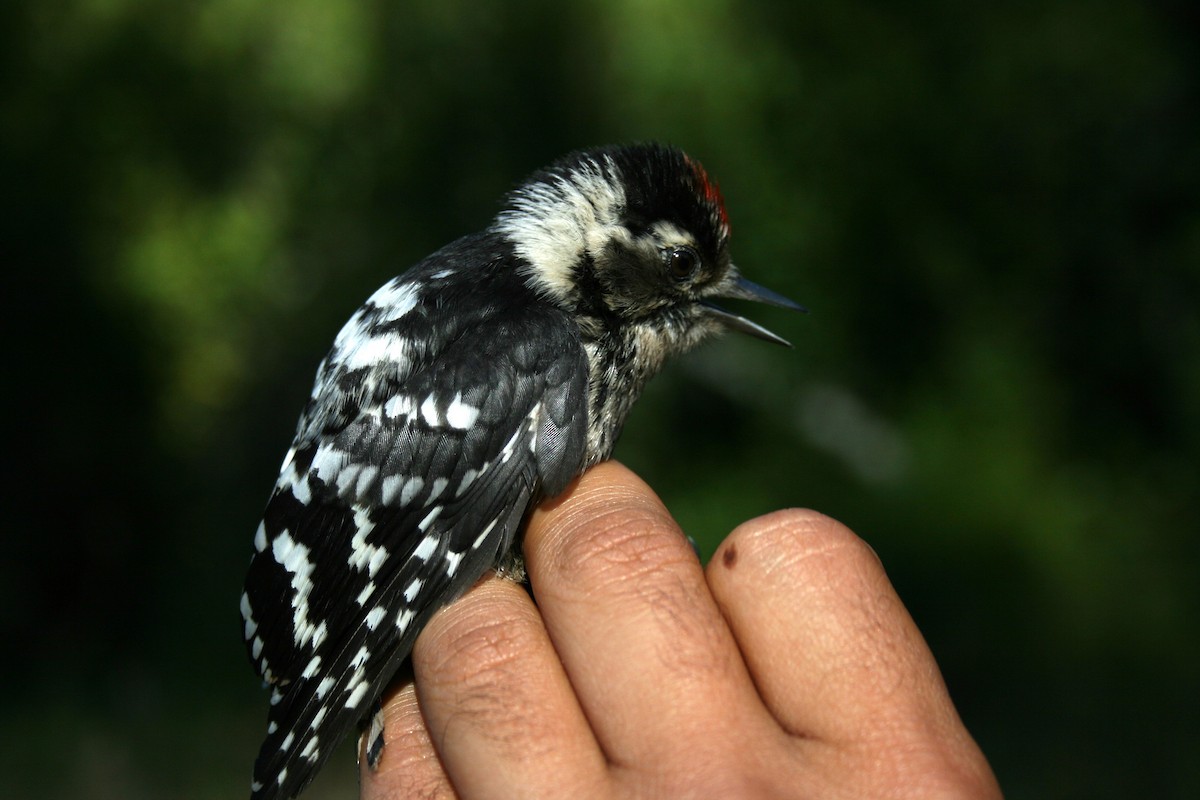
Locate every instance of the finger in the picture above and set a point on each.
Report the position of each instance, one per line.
(409, 766)
(625, 601)
(499, 708)
(831, 648)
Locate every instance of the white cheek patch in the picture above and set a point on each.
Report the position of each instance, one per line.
(549, 221)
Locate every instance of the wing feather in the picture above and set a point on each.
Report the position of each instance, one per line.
(382, 517)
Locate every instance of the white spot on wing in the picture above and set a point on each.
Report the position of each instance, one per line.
(293, 557)
(377, 558)
(363, 554)
(395, 299)
(287, 741)
(310, 670)
(327, 462)
(437, 487)
(399, 406)
(323, 687)
(404, 619)
(293, 482)
(248, 616)
(260, 537)
(461, 415)
(319, 635)
(356, 696)
(424, 524)
(318, 718)
(365, 479)
(301, 490)
(510, 447)
(390, 488)
(347, 476)
(429, 412)
(465, 482)
(362, 519)
(410, 592)
(368, 351)
(360, 658)
(367, 591)
(411, 487)
(426, 547)
(310, 751)
(483, 534)
(535, 421)
(453, 559)
(374, 616)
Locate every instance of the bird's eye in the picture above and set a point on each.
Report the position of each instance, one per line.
(682, 262)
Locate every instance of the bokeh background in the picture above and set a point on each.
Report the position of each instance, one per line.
(993, 211)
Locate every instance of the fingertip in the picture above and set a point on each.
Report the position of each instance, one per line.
(821, 627)
(790, 545)
(837, 659)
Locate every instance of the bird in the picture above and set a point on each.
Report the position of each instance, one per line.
(462, 393)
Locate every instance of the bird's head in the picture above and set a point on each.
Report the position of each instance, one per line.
(632, 236)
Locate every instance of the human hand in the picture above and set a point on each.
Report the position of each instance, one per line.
(787, 668)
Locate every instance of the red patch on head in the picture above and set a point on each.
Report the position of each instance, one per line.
(712, 193)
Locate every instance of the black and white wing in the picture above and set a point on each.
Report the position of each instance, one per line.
(404, 486)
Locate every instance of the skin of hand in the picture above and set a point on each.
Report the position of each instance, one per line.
(788, 668)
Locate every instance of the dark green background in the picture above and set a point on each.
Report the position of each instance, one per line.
(993, 211)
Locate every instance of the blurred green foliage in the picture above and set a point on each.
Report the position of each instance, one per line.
(992, 209)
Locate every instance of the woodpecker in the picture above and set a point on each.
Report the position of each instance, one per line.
(463, 392)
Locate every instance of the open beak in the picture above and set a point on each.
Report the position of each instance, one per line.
(743, 289)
